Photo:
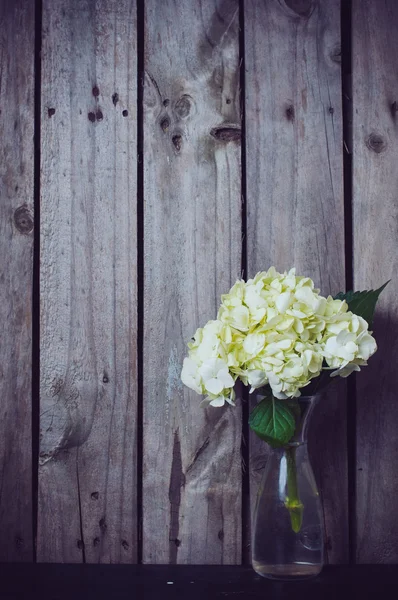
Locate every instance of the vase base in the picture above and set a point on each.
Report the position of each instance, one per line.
(287, 572)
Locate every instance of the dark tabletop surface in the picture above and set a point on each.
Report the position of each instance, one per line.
(97, 582)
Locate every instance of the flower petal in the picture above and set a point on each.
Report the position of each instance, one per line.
(214, 386)
(226, 379)
(220, 401)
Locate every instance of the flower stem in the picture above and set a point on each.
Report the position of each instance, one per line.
(293, 502)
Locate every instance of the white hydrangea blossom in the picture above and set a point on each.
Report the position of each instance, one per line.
(275, 329)
(206, 369)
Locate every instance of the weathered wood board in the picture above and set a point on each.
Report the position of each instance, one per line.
(375, 224)
(87, 472)
(16, 276)
(295, 205)
(192, 251)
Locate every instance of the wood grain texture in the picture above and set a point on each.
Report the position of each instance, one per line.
(16, 248)
(192, 464)
(87, 474)
(375, 218)
(295, 208)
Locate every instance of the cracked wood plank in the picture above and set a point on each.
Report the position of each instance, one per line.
(16, 247)
(295, 209)
(375, 219)
(87, 472)
(192, 467)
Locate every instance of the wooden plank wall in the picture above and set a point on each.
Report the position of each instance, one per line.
(17, 41)
(295, 202)
(375, 218)
(192, 253)
(176, 177)
(87, 465)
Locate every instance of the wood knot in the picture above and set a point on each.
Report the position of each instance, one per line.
(183, 106)
(125, 545)
(19, 542)
(91, 117)
(165, 124)
(96, 542)
(227, 133)
(177, 141)
(125, 113)
(303, 8)
(376, 143)
(51, 112)
(335, 54)
(23, 219)
(115, 98)
(95, 91)
(394, 109)
(289, 112)
(94, 495)
(166, 102)
(221, 535)
(103, 525)
(99, 116)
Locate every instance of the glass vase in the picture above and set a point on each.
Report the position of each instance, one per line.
(287, 524)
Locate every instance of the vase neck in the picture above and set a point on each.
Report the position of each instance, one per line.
(306, 405)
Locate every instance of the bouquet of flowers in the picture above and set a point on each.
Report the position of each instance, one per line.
(277, 332)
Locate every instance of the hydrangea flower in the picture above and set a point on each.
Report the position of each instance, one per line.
(275, 329)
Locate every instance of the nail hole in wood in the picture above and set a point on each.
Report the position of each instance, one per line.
(115, 98)
(125, 113)
(51, 112)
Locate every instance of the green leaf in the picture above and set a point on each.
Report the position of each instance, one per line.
(363, 303)
(273, 421)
